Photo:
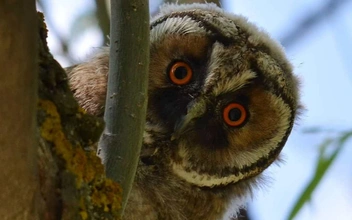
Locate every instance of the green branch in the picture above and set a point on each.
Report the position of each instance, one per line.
(126, 100)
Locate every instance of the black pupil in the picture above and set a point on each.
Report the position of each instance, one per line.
(235, 114)
(181, 72)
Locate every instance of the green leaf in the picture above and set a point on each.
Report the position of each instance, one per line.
(323, 164)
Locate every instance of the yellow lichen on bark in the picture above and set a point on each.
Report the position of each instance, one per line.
(51, 130)
(104, 195)
(86, 166)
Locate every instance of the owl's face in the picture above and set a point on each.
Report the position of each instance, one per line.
(223, 90)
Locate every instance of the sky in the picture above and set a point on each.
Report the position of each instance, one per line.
(321, 58)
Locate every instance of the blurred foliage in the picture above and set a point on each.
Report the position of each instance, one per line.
(325, 160)
(103, 18)
(97, 17)
(84, 21)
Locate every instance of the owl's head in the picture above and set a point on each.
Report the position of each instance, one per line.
(224, 91)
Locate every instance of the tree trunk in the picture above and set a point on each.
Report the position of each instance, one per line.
(48, 163)
(18, 97)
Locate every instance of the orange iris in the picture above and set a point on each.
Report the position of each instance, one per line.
(180, 73)
(234, 114)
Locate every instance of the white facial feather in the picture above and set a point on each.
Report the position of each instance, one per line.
(204, 180)
(177, 25)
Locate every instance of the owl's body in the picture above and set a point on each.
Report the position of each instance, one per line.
(222, 103)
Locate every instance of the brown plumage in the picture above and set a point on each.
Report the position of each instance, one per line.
(222, 103)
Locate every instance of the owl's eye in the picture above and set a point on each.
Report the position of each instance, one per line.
(180, 73)
(234, 114)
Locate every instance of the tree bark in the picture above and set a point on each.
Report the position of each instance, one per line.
(48, 163)
(18, 97)
(71, 176)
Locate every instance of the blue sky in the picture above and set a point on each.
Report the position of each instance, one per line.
(321, 58)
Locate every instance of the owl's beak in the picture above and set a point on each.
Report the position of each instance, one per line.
(195, 110)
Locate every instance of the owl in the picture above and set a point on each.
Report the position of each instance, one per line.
(222, 100)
